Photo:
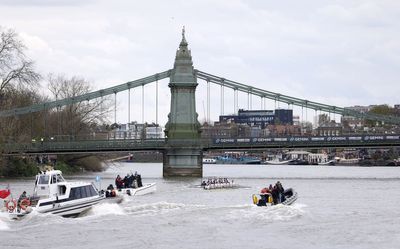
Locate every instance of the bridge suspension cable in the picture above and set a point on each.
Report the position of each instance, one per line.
(87, 96)
(293, 100)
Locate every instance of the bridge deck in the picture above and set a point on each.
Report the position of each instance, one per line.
(93, 146)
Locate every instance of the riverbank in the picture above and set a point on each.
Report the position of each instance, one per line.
(12, 167)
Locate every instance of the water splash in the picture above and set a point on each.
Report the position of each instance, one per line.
(268, 214)
(106, 209)
(154, 208)
(3, 224)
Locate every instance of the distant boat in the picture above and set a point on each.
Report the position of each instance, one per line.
(209, 161)
(330, 162)
(237, 160)
(347, 161)
(298, 162)
(277, 162)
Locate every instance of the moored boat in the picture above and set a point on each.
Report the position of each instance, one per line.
(277, 162)
(52, 194)
(209, 161)
(330, 162)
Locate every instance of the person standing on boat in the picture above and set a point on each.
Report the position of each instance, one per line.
(21, 197)
(139, 180)
(275, 194)
(118, 182)
(126, 181)
(280, 192)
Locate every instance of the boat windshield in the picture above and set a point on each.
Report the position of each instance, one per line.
(43, 179)
(60, 178)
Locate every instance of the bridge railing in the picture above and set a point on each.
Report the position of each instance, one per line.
(90, 146)
(83, 146)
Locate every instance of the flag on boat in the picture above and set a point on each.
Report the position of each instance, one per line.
(4, 193)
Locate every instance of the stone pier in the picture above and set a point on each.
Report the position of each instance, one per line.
(183, 154)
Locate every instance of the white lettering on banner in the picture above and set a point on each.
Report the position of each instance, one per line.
(260, 119)
(393, 137)
(262, 139)
(317, 139)
(280, 139)
(243, 140)
(338, 138)
(227, 140)
(301, 139)
(355, 138)
(375, 137)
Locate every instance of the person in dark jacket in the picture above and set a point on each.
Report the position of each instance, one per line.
(139, 180)
(280, 191)
(275, 194)
(118, 182)
(126, 181)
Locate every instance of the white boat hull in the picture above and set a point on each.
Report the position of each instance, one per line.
(65, 209)
(71, 208)
(275, 162)
(144, 190)
(219, 186)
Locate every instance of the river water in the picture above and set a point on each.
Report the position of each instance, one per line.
(338, 207)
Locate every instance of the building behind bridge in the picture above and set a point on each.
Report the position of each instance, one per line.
(260, 118)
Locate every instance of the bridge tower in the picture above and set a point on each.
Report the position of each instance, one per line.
(183, 154)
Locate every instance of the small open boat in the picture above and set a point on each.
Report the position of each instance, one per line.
(265, 199)
(143, 190)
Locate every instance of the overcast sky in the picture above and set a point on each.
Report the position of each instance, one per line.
(336, 52)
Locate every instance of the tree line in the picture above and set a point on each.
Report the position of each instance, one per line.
(20, 85)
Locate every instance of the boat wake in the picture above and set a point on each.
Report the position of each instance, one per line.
(268, 214)
(3, 222)
(105, 209)
(154, 208)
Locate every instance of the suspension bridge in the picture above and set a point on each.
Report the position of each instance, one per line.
(183, 146)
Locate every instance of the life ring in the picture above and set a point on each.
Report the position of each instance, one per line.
(11, 204)
(255, 200)
(24, 203)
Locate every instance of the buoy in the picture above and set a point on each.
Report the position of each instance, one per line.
(255, 200)
(11, 204)
(24, 204)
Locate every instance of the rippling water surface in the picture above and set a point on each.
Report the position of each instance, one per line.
(338, 207)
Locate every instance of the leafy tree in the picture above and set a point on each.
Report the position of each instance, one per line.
(381, 110)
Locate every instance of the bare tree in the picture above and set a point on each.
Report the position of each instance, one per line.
(16, 70)
(78, 117)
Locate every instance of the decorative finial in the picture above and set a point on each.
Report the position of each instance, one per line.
(183, 42)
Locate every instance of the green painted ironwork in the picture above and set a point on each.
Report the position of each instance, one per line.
(292, 100)
(98, 146)
(86, 97)
(209, 78)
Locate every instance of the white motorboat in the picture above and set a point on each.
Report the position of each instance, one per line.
(52, 194)
(143, 190)
(290, 196)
